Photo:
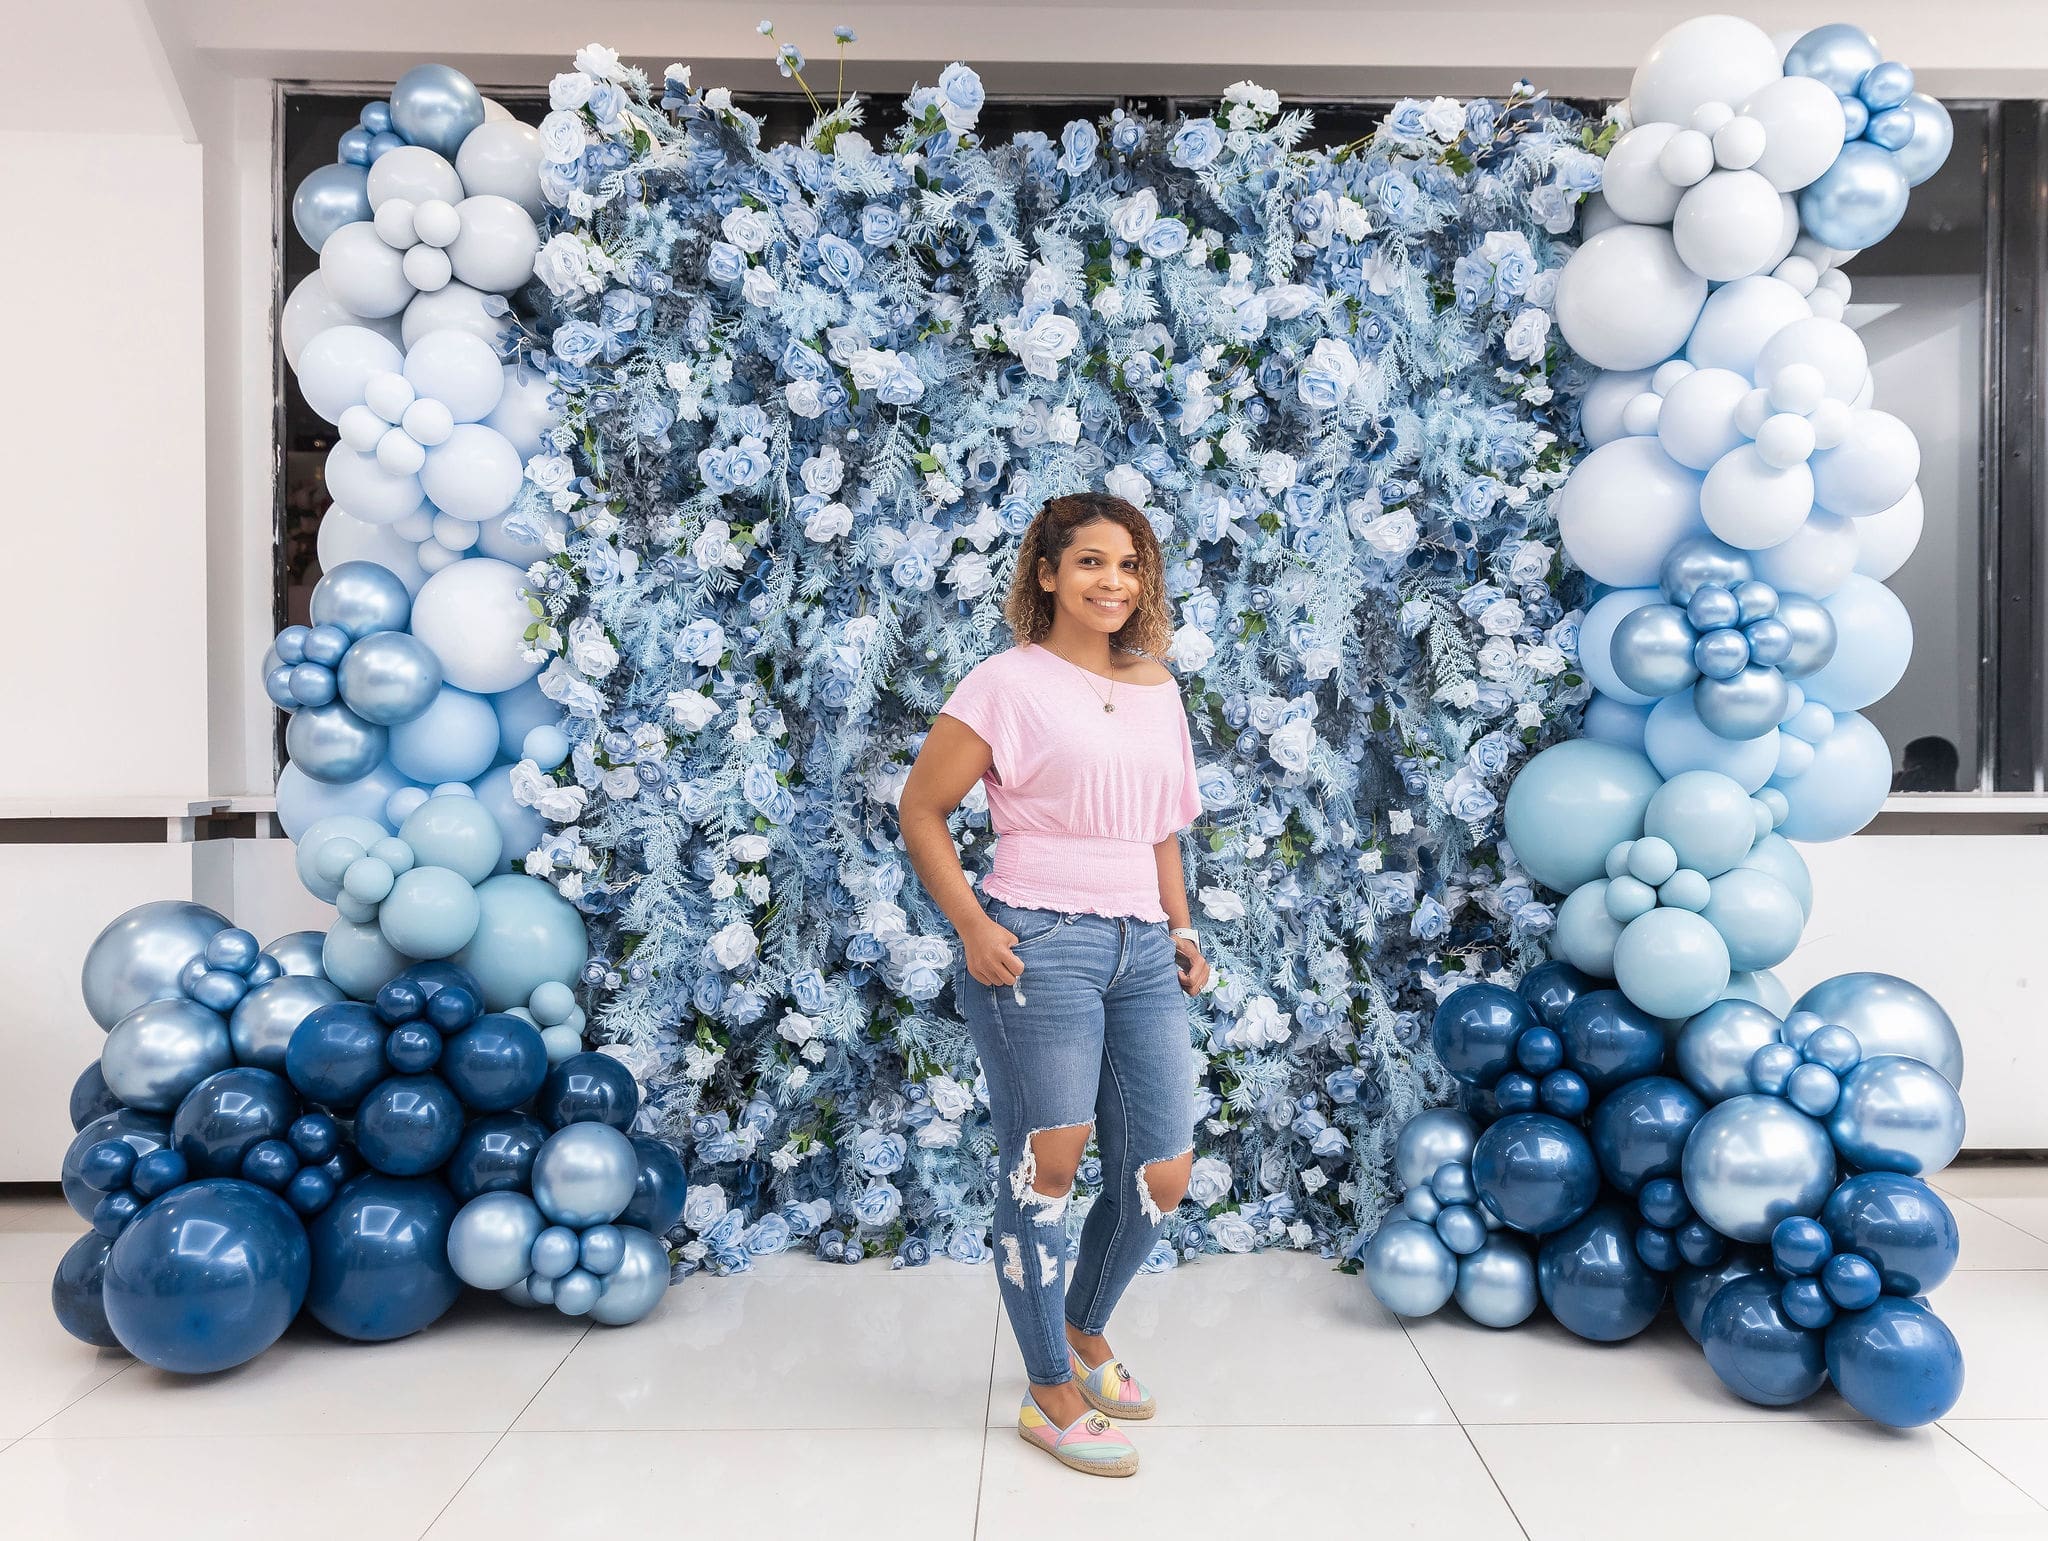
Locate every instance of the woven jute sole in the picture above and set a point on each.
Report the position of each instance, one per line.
(1124, 1466)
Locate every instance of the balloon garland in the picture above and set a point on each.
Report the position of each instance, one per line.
(1650, 1115)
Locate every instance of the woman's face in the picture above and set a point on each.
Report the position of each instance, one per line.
(1097, 585)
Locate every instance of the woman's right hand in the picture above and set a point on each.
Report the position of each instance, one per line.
(989, 958)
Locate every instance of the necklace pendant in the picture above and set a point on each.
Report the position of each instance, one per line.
(1107, 707)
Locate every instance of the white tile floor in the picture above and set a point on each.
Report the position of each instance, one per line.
(879, 1402)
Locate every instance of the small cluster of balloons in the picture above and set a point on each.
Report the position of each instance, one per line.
(313, 1151)
(1797, 1245)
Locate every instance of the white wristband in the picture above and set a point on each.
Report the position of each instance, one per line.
(1186, 931)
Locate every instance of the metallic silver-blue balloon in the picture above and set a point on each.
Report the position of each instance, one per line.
(1652, 650)
(1697, 561)
(491, 1239)
(1721, 654)
(298, 953)
(1813, 635)
(361, 597)
(330, 197)
(553, 1254)
(1743, 706)
(389, 677)
(435, 106)
(1753, 1160)
(1497, 1284)
(1889, 1016)
(1410, 1271)
(1430, 1139)
(584, 1175)
(161, 1050)
(332, 744)
(1837, 55)
(1714, 1047)
(1857, 201)
(1897, 1115)
(263, 1023)
(636, 1286)
(1933, 136)
(1459, 1227)
(138, 957)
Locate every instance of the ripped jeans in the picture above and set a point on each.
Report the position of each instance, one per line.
(1094, 1031)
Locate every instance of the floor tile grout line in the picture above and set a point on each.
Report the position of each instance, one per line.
(98, 1385)
(1992, 1215)
(995, 1340)
(1992, 1466)
(510, 1424)
(1470, 1443)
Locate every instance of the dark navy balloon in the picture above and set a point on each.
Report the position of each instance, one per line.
(1693, 1288)
(496, 1064)
(1896, 1363)
(1639, 1130)
(659, 1190)
(229, 1114)
(495, 1154)
(1550, 988)
(207, 1276)
(1535, 1172)
(1593, 1280)
(380, 1257)
(1609, 1041)
(590, 1088)
(337, 1054)
(75, 1291)
(90, 1097)
(145, 1131)
(408, 1125)
(1474, 1032)
(1761, 1354)
(1898, 1223)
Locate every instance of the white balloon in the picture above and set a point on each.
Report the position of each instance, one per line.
(1697, 424)
(310, 310)
(414, 173)
(494, 112)
(473, 615)
(1596, 642)
(1612, 722)
(362, 274)
(1752, 504)
(1739, 318)
(1828, 346)
(1871, 469)
(1625, 301)
(1739, 144)
(475, 475)
(1686, 158)
(1622, 509)
(503, 158)
(1803, 127)
(1633, 184)
(1885, 540)
(1815, 558)
(1728, 226)
(345, 538)
(1706, 59)
(437, 222)
(456, 305)
(1788, 230)
(359, 484)
(523, 414)
(1875, 645)
(495, 249)
(417, 525)
(434, 556)
(338, 363)
(426, 268)
(458, 370)
(394, 224)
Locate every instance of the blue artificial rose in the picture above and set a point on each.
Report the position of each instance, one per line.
(878, 1203)
(769, 1234)
(903, 387)
(961, 92)
(724, 263)
(807, 988)
(1341, 1085)
(1164, 238)
(965, 1246)
(1316, 216)
(1431, 922)
(802, 362)
(761, 789)
(1126, 134)
(864, 947)
(1488, 756)
(880, 224)
(1406, 120)
(1197, 144)
(712, 471)
(577, 342)
(839, 260)
(746, 462)
(708, 994)
(1467, 797)
(1078, 143)
(879, 1154)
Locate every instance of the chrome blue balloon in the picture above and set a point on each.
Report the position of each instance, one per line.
(360, 598)
(554, 1252)
(1609, 1041)
(1897, 1115)
(1409, 1269)
(1744, 703)
(298, 953)
(1497, 1283)
(1425, 1142)
(1753, 1160)
(206, 1277)
(1933, 136)
(1896, 1363)
(1452, 1183)
(75, 1293)
(408, 1125)
(330, 197)
(337, 1054)
(436, 107)
(1886, 86)
(1899, 1225)
(1535, 1172)
(1757, 1351)
(637, 1285)
(1653, 650)
(380, 1257)
(140, 955)
(1459, 1227)
(1592, 1279)
(601, 1249)
(263, 1022)
(161, 1050)
(1550, 988)
(1837, 55)
(227, 1115)
(1857, 201)
(90, 1096)
(1474, 1032)
(496, 1064)
(492, 1238)
(1693, 1287)
(585, 1175)
(497, 1153)
(589, 1088)
(1716, 1046)
(1640, 1128)
(332, 744)
(1888, 1015)
(389, 677)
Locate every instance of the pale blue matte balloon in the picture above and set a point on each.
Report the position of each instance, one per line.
(1676, 740)
(1774, 854)
(491, 1240)
(140, 954)
(636, 1286)
(520, 828)
(1714, 1048)
(458, 833)
(389, 677)
(1874, 642)
(1706, 817)
(454, 739)
(527, 933)
(1408, 1269)
(584, 1175)
(435, 106)
(1837, 55)
(1497, 1284)
(1844, 787)
(1585, 933)
(429, 913)
(1758, 917)
(1573, 803)
(1611, 722)
(302, 801)
(1933, 135)
(1760, 987)
(1857, 201)
(360, 597)
(547, 746)
(1896, 1115)
(359, 959)
(520, 710)
(330, 197)
(1753, 1160)
(1671, 963)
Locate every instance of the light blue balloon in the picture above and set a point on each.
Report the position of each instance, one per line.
(1611, 722)
(314, 840)
(330, 197)
(526, 934)
(1774, 854)
(454, 739)
(1857, 201)
(1758, 917)
(1895, 1115)
(359, 959)
(161, 1050)
(1676, 741)
(457, 833)
(1596, 641)
(1497, 1284)
(389, 677)
(491, 1240)
(602, 1249)
(298, 953)
(1890, 1015)
(1933, 136)
(332, 744)
(429, 913)
(520, 828)
(637, 1285)
(360, 597)
(435, 106)
(1409, 1270)
(1671, 963)
(141, 954)
(577, 1291)
(554, 1252)
(1844, 787)
(1837, 55)
(1573, 803)
(302, 801)
(584, 1175)
(1753, 1160)
(1760, 987)
(520, 710)
(1714, 1048)
(1706, 817)
(1874, 643)
(1429, 1140)
(1585, 933)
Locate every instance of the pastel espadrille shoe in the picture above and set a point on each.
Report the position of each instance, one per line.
(1091, 1443)
(1112, 1389)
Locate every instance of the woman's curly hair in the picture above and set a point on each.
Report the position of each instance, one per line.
(1029, 609)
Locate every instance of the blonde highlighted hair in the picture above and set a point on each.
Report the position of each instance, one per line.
(1029, 608)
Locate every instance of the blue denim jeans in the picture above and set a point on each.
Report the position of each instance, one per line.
(1094, 1031)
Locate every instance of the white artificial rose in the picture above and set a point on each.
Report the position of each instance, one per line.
(1130, 218)
(733, 944)
(833, 520)
(1128, 483)
(1220, 904)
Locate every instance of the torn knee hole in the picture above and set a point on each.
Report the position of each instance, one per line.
(1049, 1208)
(1147, 1200)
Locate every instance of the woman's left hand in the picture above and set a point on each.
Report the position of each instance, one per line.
(1194, 968)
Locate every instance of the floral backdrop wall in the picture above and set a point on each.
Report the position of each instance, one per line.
(814, 391)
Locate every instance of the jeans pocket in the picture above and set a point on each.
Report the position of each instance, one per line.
(1017, 918)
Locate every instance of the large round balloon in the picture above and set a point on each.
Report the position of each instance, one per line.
(337, 1054)
(1535, 1172)
(1753, 1160)
(1497, 1283)
(437, 107)
(263, 1023)
(1899, 1224)
(1715, 1047)
(207, 1276)
(76, 1295)
(527, 934)
(1843, 786)
(1693, 1289)
(1408, 1269)
(161, 1050)
(1592, 1279)
(408, 1125)
(1426, 1142)
(1671, 963)
(227, 1115)
(1889, 1015)
(1639, 1130)
(1759, 1353)
(1474, 1032)
(145, 1132)
(1550, 990)
(585, 1175)
(497, 1153)
(380, 1257)
(661, 1185)
(1625, 300)
(454, 739)
(637, 1285)
(139, 955)
(591, 1087)
(491, 1239)
(1739, 319)
(1895, 1362)
(1571, 804)
(91, 1097)
(1626, 505)
(1897, 1115)
(1608, 1041)
(497, 1063)
(474, 616)
(1706, 59)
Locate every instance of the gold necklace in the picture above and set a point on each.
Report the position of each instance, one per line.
(1108, 702)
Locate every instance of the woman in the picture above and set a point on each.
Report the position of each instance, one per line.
(1078, 949)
